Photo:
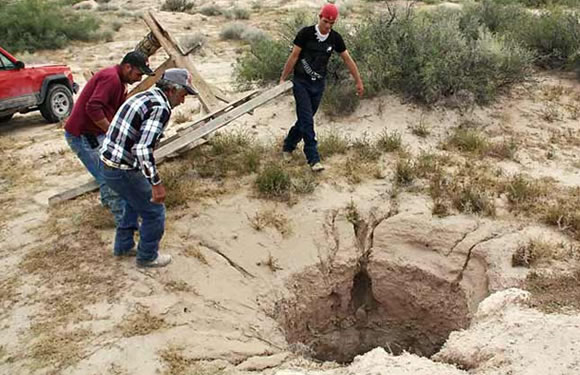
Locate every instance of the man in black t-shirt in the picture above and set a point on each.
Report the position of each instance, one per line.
(313, 47)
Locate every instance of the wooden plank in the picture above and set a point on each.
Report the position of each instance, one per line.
(92, 186)
(200, 122)
(207, 98)
(151, 80)
(222, 120)
(73, 193)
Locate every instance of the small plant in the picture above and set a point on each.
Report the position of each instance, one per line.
(550, 113)
(233, 31)
(274, 181)
(365, 149)
(271, 218)
(195, 252)
(190, 41)
(210, 10)
(389, 142)
(421, 129)
(505, 149)
(466, 140)
(352, 214)
(339, 99)
(271, 263)
(534, 252)
(332, 143)
(177, 5)
(471, 198)
(404, 172)
(238, 13)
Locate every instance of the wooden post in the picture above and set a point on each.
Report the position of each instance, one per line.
(170, 45)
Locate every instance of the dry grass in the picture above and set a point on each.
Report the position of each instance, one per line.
(332, 143)
(141, 323)
(389, 142)
(97, 217)
(59, 349)
(550, 113)
(405, 172)
(179, 286)
(271, 218)
(177, 364)
(466, 140)
(195, 252)
(421, 129)
(554, 293)
(271, 263)
(536, 252)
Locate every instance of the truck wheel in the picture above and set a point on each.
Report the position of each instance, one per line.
(58, 103)
(5, 118)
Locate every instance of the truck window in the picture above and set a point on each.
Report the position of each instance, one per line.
(6, 64)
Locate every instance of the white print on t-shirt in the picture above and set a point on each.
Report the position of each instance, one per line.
(319, 36)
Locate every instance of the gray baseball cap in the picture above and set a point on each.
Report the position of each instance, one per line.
(181, 77)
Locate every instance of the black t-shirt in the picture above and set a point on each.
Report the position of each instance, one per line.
(315, 54)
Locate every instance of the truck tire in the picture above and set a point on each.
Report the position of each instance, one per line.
(58, 103)
(5, 118)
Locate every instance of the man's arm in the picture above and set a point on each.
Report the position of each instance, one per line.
(151, 129)
(105, 88)
(290, 63)
(354, 72)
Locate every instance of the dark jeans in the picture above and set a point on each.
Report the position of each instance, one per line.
(307, 94)
(136, 192)
(88, 153)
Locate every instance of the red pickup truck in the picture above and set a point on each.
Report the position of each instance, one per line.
(48, 88)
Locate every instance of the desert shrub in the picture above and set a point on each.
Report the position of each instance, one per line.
(191, 40)
(274, 181)
(552, 35)
(241, 31)
(28, 25)
(177, 5)
(237, 13)
(332, 143)
(210, 10)
(339, 99)
(389, 142)
(426, 56)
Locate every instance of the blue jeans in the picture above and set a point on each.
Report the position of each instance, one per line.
(307, 94)
(89, 155)
(136, 192)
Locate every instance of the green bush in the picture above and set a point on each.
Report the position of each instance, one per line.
(28, 25)
(552, 35)
(177, 5)
(274, 181)
(426, 56)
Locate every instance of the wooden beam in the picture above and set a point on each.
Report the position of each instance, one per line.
(73, 193)
(92, 186)
(222, 120)
(151, 80)
(170, 45)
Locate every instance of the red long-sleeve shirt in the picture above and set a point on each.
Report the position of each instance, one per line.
(101, 97)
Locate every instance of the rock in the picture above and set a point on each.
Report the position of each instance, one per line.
(86, 5)
(258, 363)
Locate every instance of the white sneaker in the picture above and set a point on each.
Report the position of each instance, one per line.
(286, 156)
(161, 261)
(317, 167)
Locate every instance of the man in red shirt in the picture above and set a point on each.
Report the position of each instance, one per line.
(96, 106)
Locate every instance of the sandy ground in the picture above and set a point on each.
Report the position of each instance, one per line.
(239, 300)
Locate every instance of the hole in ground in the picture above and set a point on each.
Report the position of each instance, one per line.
(351, 311)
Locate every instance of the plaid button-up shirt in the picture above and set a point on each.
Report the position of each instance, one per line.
(134, 132)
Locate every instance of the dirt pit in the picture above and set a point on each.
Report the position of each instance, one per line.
(386, 298)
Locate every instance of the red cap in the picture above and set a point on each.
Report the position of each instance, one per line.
(329, 11)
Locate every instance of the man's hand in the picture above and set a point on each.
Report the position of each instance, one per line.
(158, 194)
(360, 89)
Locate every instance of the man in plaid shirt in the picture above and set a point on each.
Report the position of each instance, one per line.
(129, 165)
